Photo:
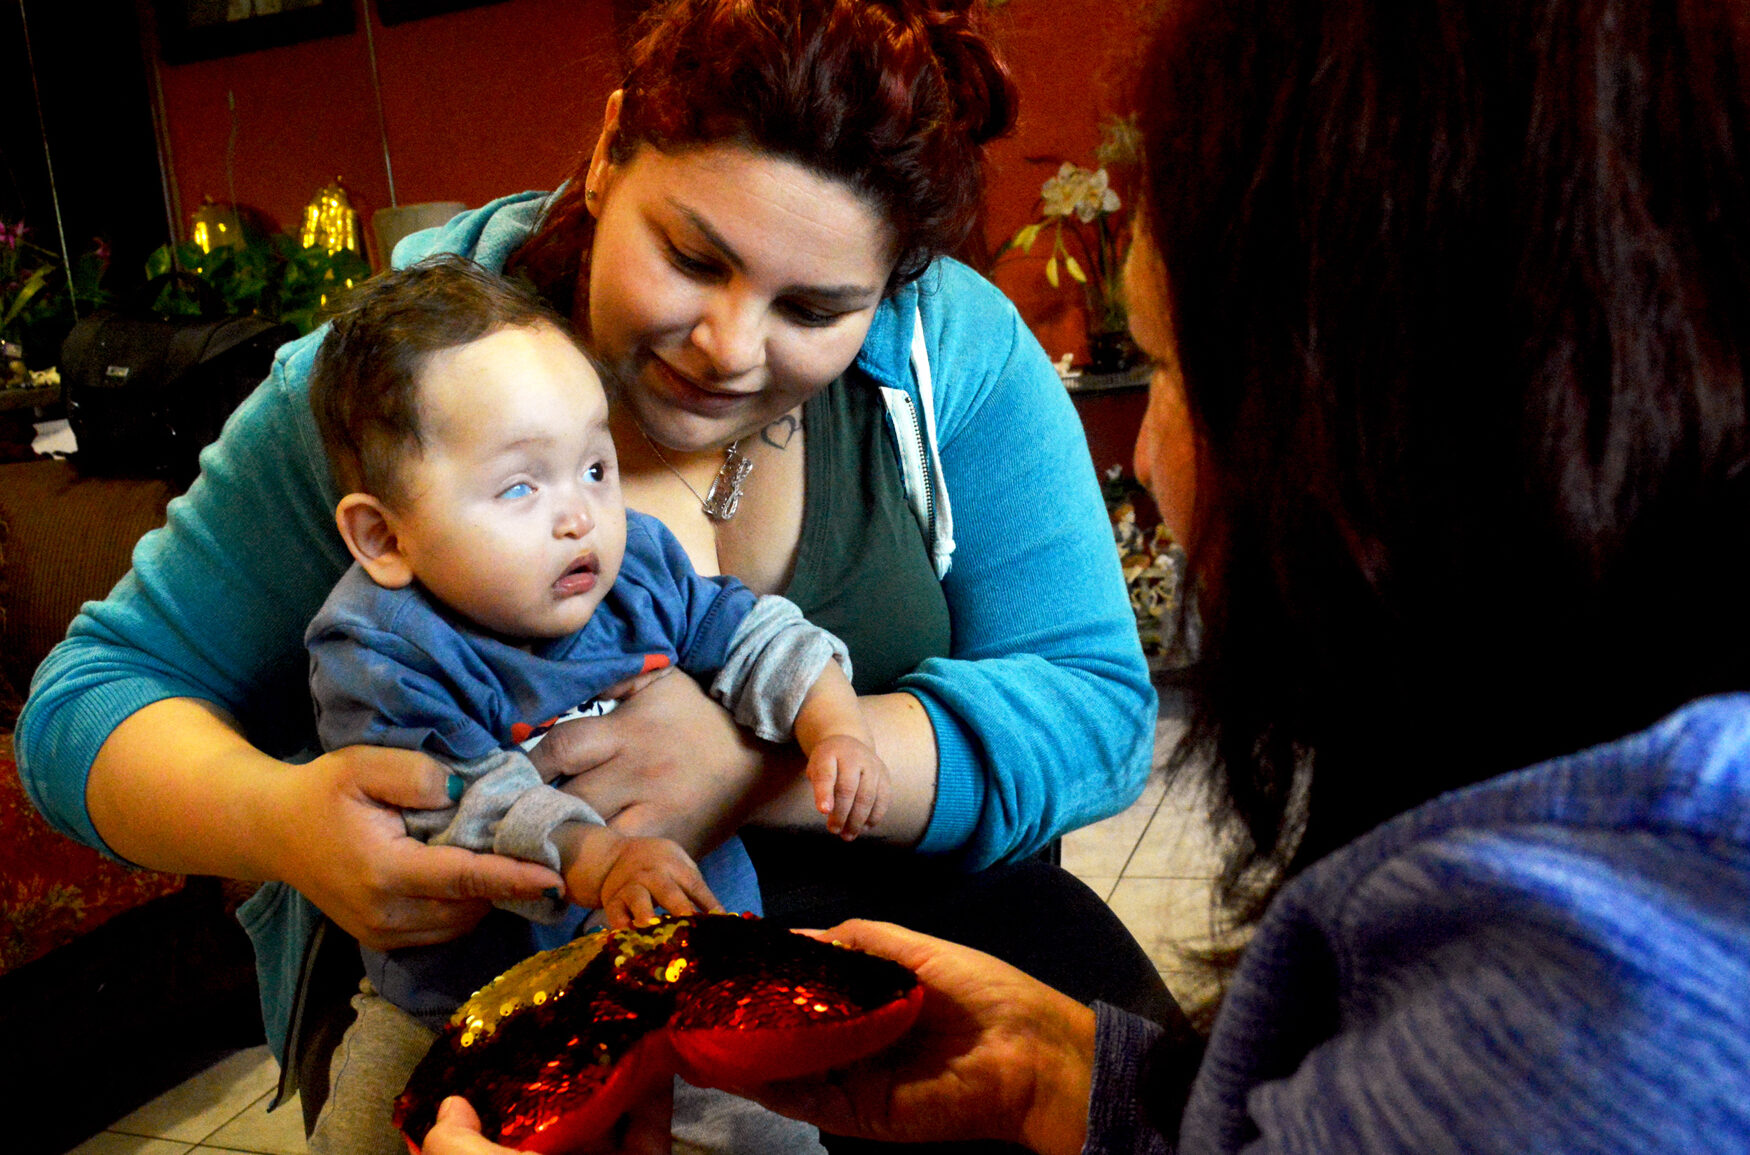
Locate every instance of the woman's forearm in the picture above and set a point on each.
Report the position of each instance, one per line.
(906, 742)
(176, 787)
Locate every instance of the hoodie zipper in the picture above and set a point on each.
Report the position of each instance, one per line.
(923, 452)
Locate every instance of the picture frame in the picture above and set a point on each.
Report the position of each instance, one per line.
(401, 11)
(191, 30)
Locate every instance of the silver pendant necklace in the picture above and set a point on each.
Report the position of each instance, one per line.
(723, 499)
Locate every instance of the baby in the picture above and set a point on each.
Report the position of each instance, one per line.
(501, 582)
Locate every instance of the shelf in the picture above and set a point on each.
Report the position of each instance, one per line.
(21, 397)
(1136, 377)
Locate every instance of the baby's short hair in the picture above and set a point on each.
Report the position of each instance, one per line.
(364, 386)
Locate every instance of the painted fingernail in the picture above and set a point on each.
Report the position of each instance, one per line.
(454, 787)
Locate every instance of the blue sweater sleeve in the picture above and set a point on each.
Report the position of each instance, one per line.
(213, 609)
(1539, 991)
(1044, 713)
(1555, 960)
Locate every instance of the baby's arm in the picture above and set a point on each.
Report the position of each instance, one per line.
(851, 782)
(785, 677)
(505, 807)
(627, 878)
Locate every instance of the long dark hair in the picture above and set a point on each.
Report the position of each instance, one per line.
(1461, 290)
(896, 98)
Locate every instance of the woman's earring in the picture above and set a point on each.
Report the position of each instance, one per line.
(589, 195)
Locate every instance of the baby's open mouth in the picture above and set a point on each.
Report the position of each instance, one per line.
(580, 576)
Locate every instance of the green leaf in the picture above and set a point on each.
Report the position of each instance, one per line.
(1075, 270)
(29, 289)
(159, 262)
(1051, 270)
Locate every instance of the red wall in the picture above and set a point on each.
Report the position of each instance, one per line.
(501, 98)
(476, 104)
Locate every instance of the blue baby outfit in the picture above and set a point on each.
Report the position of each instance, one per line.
(394, 668)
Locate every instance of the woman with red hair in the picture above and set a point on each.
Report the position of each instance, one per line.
(815, 399)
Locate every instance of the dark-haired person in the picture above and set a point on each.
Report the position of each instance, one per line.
(755, 247)
(1451, 304)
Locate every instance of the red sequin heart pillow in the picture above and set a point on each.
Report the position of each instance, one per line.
(552, 1052)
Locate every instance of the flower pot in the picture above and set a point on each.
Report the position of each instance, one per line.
(1111, 352)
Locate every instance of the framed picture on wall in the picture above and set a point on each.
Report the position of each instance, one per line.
(203, 29)
(401, 11)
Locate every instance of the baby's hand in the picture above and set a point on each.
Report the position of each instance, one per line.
(850, 784)
(649, 872)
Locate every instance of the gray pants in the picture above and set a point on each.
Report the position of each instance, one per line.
(384, 1044)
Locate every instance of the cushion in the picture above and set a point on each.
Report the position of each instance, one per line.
(64, 539)
(553, 1051)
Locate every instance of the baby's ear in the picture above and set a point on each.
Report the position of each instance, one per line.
(368, 529)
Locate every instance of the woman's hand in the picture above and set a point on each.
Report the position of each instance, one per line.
(994, 1055)
(671, 763)
(457, 1132)
(644, 1131)
(344, 845)
(668, 762)
(178, 788)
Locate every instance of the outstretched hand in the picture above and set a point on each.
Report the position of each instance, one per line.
(346, 848)
(644, 1131)
(995, 1054)
(457, 1132)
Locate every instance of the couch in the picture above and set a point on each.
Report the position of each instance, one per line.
(116, 983)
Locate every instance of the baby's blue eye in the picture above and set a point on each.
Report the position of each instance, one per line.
(520, 489)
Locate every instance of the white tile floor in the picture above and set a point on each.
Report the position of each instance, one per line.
(224, 1108)
(1152, 864)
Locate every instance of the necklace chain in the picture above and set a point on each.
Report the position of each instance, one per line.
(722, 501)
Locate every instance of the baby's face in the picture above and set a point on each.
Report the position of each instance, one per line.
(513, 515)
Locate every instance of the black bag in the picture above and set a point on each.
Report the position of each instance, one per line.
(145, 394)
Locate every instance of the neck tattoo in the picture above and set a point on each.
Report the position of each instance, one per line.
(723, 499)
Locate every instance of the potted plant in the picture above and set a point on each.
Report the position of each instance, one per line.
(38, 301)
(270, 275)
(1090, 235)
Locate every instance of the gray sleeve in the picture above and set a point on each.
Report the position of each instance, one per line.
(774, 659)
(505, 809)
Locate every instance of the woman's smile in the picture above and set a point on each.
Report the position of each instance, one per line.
(685, 392)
